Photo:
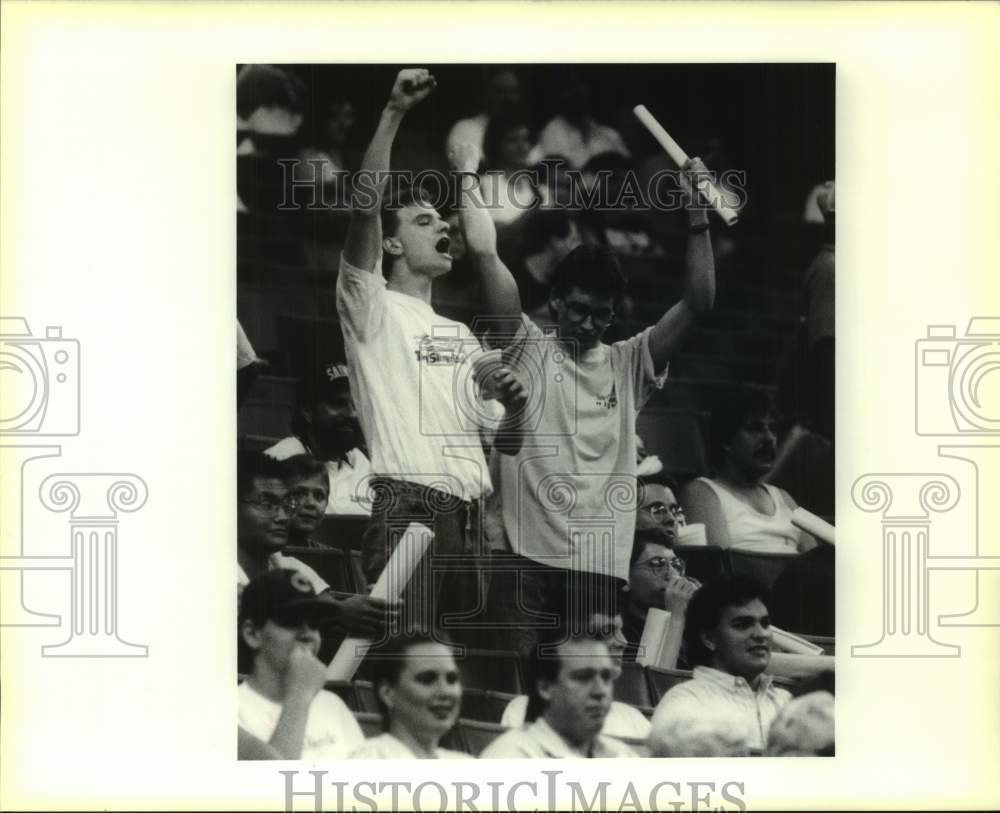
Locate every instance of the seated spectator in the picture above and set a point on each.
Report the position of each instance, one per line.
(728, 639)
(658, 507)
(738, 510)
(419, 694)
(573, 133)
(623, 720)
(282, 702)
(571, 694)
(309, 486)
(655, 579)
(503, 93)
(549, 235)
(262, 534)
(804, 728)
(325, 426)
(507, 186)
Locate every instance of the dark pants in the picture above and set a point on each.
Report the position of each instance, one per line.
(447, 589)
(527, 598)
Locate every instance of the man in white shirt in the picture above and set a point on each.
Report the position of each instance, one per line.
(420, 405)
(728, 637)
(325, 425)
(282, 702)
(571, 696)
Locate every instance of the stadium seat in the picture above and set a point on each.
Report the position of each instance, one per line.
(763, 568)
(486, 705)
(663, 680)
(675, 436)
(345, 691)
(370, 722)
(472, 736)
(364, 691)
(332, 566)
(702, 562)
(631, 686)
(344, 531)
(499, 670)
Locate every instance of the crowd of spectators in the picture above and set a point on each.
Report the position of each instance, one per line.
(506, 424)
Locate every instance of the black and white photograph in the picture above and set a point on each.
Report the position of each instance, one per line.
(536, 410)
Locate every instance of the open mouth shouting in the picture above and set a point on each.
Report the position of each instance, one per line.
(443, 245)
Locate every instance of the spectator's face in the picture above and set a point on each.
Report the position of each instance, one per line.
(741, 641)
(426, 698)
(335, 422)
(262, 517)
(505, 92)
(515, 148)
(753, 448)
(312, 495)
(616, 639)
(655, 568)
(584, 316)
(579, 699)
(339, 122)
(422, 239)
(660, 509)
(273, 642)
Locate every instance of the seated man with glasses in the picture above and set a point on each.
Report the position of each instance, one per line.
(655, 579)
(264, 507)
(658, 507)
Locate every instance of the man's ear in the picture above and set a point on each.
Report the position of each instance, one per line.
(544, 689)
(708, 641)
(391, 245)
(386, 693)
(306, 416)
(250, 634)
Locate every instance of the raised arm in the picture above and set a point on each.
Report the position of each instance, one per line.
(500, 295)
(364, 234)
(699, 277)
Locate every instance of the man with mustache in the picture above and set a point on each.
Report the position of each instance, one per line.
(728, 706)
(325, 425)
(738, 509)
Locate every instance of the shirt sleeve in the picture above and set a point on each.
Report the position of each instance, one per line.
(360, 299)
(634, 367)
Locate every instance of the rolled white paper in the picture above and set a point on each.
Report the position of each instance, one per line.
(786, 664)
(693, 534)
(679, 157)
(390, 584)
(788, 642)
(654, 635)
(814, 525)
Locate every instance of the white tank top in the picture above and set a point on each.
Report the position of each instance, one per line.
(753, 531)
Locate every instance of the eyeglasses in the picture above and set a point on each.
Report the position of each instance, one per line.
(659, 510)
(579, 313)
(268, 505)
(660, 564)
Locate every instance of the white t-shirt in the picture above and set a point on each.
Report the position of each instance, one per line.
(569, 495)
(331, 730)
(386, 746)
(623, 720)
(752, 531)
(348, 479)
(411, 375)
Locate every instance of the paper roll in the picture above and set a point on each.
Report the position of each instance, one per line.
(814, 525)
(389, 587)
(653, 635)
(693, 534)
(788, 642)
(710, 192)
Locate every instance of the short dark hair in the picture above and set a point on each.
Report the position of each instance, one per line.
(541, 225)
(496, 129)
(303, 467)
(731, 413)
(593, 269)
(251, 465)
(311, 390)
(658, 479)
(391, 207)
(648, 536)
(545, 663)
(387, 660)
(705, 610)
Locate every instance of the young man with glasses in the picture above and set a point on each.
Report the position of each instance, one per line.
(659, 508)
(264, 507)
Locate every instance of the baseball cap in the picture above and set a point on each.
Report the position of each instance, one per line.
(285, 597)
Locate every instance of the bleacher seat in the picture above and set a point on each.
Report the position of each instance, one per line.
(332, 566)
(364, 692)
(486, 705)
(371, 723)
(345, 691)
(343, 531)
(763, 568)
(631, 686)
(662, 681)
(703, 562)
(472, 736)
(675, 435)
(499, 670)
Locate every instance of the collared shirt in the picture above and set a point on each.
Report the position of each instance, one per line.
(623, 720)
(538, 740)
(386, 746)
(710, 691)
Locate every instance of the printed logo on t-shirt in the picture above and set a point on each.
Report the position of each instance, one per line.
(440, 350)
(609, 401)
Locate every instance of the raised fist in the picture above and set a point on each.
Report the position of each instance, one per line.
(464, 157)
(677, 595)
(693, 172)
(412, 86)
(306, 673)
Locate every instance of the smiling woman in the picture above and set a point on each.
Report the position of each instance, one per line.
(419, 693)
